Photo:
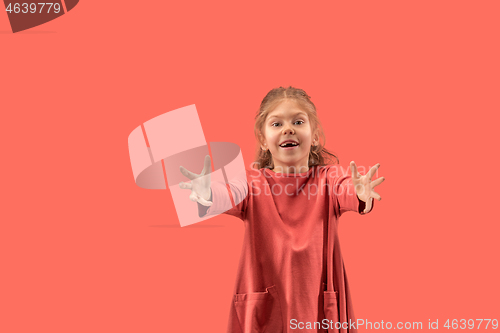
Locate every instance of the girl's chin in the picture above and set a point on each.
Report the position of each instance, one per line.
(289, 150)
(290, 161)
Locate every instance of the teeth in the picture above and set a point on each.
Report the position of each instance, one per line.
(287, 143)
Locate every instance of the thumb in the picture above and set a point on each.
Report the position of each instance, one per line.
(193, 196)
(368, 205)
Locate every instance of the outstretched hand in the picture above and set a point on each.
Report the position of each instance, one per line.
(364, 185)
(200, 184)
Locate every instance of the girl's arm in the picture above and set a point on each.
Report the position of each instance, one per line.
(222, 197)
(364, 186)
(214, 197)
(350, 193)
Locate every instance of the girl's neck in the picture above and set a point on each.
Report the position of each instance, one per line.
(290, 169)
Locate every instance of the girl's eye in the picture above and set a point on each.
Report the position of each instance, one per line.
(298, 121)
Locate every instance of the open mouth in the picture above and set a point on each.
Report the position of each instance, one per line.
(289, 145)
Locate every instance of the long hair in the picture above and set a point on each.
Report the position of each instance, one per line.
(318, 155)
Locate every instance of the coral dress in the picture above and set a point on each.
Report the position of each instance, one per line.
(291, 275)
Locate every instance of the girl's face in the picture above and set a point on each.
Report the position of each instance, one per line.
(288, 123)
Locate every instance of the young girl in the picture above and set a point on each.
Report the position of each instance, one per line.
(291, 275)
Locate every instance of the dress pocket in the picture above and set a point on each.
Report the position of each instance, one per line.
(331, 310)
(259, 312)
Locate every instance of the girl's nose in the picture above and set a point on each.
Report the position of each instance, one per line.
(288, 130)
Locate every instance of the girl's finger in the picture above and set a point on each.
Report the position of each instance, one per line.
(368, 206)
(376, 195)
(354, 170)
(204, 202)
(193, 197)
(377, 181)
(188, 174)
(373, 170)
(207, 167)
(185, 185)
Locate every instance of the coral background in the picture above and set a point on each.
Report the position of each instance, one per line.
(411, 85)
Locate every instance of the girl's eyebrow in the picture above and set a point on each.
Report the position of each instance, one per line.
(302, 113)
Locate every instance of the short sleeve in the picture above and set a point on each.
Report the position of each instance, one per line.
(343, 196)
(231, 199)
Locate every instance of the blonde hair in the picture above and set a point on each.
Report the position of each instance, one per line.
(318, 155)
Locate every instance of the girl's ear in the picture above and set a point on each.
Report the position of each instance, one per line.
(262, 140)
(316, 137)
